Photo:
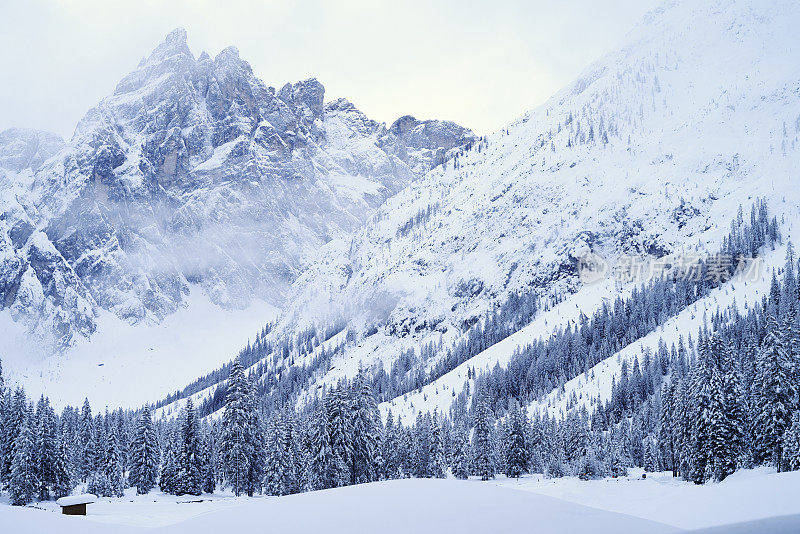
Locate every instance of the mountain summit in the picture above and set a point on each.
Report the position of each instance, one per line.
(194, 173)
(651, 152)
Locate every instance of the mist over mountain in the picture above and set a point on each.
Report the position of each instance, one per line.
(610, 165)
(273, 295)
(192, 174)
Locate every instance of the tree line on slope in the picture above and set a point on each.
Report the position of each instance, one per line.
(728, 402)
(563, 356)
(337, 441)
(341, 440)
(732, 400)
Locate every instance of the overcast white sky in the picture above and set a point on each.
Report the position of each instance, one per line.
(481, 64)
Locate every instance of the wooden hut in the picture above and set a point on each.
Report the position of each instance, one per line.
(76, 504)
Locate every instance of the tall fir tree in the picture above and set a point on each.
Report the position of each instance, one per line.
(776, 395)
(462, 464)
(87, 461)
(45, 447)
(23, 485)
(144, 454)
(112, 466)
(438, 464)
(338, 413)
(241, 435)
(365, 428)
(189, 479)
(327, 469)
(483, 446)
(791, 444)
(390, 449)
(168, 474)
(62, 481)
(516, 446)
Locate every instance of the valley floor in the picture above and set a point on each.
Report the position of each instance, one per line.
(626, 505)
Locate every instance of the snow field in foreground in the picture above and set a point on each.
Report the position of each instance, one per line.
(399, 506)
(746, 495)
(657, 504)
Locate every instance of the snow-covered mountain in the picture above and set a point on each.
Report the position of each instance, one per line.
(650, 152)
(192, 174)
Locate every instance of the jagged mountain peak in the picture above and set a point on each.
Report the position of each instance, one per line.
(309, 93)
(173, 45)
(611, 164)
(195, 174)
(228, 53)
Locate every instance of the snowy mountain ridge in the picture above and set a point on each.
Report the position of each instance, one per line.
(610, 164)
(193, 173)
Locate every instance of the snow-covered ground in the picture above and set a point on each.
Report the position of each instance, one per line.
(531, 504)
(744, 496)
(400, 506)
(127, 366)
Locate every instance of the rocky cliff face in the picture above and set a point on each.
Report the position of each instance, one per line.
(194, 173)
(650, 152)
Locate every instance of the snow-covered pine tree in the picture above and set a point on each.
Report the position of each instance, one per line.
(112, 468)
(189, 459)
(240, 436)
(23, 485)
(87, 448)
(291, 457)
(389, 449)
(725, 414)
(590, 467)
(776, 394)
(700, 404)
(98, 484)
(338, 410)
(438, 465)
(258, 463)
(45, 447)
(516, 446)
(365, 428)
(326, 469)
(422, 446)
(666, 437)
(144, 454)
(62, 481)
(5, 402)
(791, 444)
(14, 416)
(406, 452)
(273, 475)
(462, 464)
(167, 480)
(208, 462)
(682, 427)
(483, 445)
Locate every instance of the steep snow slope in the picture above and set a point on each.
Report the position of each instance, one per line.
(192, 174)
(651, 151)
(130, 365)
